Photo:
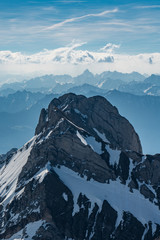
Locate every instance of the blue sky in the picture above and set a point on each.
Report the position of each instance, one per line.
(31, 26)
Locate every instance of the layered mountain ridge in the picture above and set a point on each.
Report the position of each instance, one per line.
(82, 176)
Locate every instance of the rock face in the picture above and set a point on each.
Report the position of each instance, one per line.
(96, 112)
(82, 176)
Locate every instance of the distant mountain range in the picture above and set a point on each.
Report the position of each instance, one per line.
(21, 102)
(150, 86)
(134, 83)
(47, 83)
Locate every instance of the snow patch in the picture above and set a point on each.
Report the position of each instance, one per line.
(119, 218)
(40, 175)
(64, 108)
(146, 90)
(101, 135)
(78, 112)
(37, 210)
(59, 122)
(9, 174)
(28, 232)
(15, 217)
(81, 129)
(144, 157)
(117, 195)
(101, 84)
(48, 135)
(96, 146)
(131, 167)
(145, 231)
(18, 195)
(81, 138)
(114, 155)
(150, 187)
(65, 196)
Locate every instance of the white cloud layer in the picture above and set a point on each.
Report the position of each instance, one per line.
(70, 60)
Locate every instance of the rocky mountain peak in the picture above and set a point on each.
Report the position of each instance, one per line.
(78, 178)
(89, 114)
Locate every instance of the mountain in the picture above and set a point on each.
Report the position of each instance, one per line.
(60, 88)
(109, 84)
(153, 79)
(150, 86)
(137, 88)
(42, 84)
(90, 108)
(52, 83)
(86, 89)
(82, 176)
(6, 92)
(126, 77)
(20, 118)
(19, 101)
(85, 77)
(143, 112)
(4, 158)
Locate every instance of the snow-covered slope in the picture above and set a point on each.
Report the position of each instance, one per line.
(9, 173)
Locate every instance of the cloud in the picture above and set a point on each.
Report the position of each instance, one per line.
(60, 24)
(70, 1)
(109, 47)
(148, 6)
(75, 44)
(51, 8)
(73, 61)
(117, 23)
(109, 59)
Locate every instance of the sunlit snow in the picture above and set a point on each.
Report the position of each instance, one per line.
(10, 172)
(117, 194)
(101, 135)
